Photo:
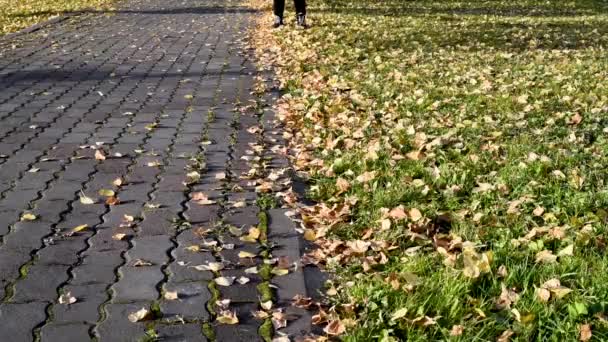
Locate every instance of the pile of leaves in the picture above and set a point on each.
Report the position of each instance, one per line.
(457, 155)
(16, 15)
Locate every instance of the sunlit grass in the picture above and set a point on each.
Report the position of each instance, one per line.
(490, 119)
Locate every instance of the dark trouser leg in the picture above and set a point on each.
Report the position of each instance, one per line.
(300, 6)
(279, 7)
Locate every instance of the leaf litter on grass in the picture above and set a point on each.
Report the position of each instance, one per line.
(460, 144)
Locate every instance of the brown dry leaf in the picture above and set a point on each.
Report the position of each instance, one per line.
(202, 199)
(505, 336)
(112, 200)
(140, 315)
(99, 155)
(279, 320)
(457, 330)
(415, 214)
(366, 176)
(335, 328)
(546, 257)
(343, 185)
(585, 332)
(502, 271)
(539, 211)
(576, 119)
(543, 295)
(358, 246)
(398, 213)
(117, 182)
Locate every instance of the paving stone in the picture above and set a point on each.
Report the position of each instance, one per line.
(181, 333)
(19, 320)
(137, 283)
(40, 283)
(89, 298)
(65, 332)
(97, 268)
(190, 304)
(153, 249)
(117, 328)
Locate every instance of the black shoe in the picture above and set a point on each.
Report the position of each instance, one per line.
(278, 21)
(301, 20)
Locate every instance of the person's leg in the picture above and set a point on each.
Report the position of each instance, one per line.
(300, 12)
(300, 6)
(279, 7)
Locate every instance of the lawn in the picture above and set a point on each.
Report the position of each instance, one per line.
(18, 14)
(457, 153)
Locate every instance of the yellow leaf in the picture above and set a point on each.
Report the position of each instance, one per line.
(567, 251)
(279, 271)
(244, 254)
(171, 295)
(80, 228)
(28, 217)
(227, 317)
(106, 192)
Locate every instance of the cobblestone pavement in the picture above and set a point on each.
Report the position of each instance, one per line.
(142, 125)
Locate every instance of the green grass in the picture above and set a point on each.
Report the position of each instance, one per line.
(507, 102)
(19, 14)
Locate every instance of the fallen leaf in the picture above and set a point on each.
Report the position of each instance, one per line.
(117, 182)
(86, 200)
(224, 281)
(567, 251)
(457, 330)
(28, 217)
(140, 315)
(505, 336)
(80, 228)
(99, 155)
(244, 254)
(171, 295)
(267, 305)
(546, 257)
(67, 299)
(227, 317)
(106, 192)
(243, 280)
(220, 175)
(415, 214)
(118, 236)
(585, 332)
(334, 328)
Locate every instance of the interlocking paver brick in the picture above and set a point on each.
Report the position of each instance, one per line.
(139, 84)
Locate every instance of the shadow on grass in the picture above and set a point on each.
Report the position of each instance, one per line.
(442, 24)
(516, 8)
